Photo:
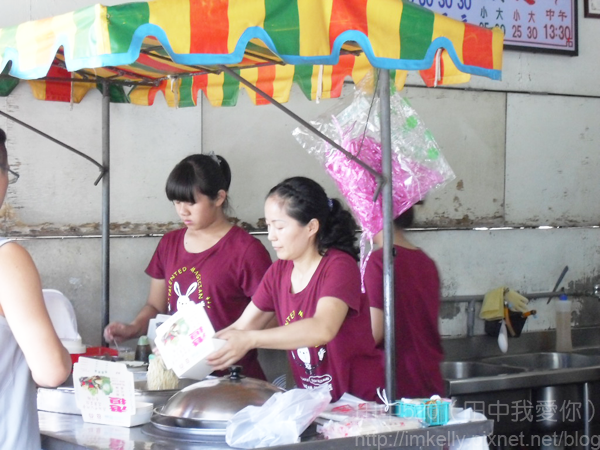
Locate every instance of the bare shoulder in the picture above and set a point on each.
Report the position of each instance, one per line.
(12, 254)
(16, 264)
(19, 279)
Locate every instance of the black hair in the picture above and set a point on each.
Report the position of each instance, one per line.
(406, 219)
(305, 200)
(3, 153)
(203, 174)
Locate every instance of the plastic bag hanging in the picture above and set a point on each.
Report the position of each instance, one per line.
(418, 165)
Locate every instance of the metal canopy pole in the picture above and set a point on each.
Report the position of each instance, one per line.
(308, 126)
(56, 141)
(105, 206)
(388, 238)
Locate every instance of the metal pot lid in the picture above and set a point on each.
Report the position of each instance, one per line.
(218, 399)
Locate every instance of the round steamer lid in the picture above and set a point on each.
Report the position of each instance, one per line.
(218, 399)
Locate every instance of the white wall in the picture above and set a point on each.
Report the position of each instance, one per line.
(524, 151)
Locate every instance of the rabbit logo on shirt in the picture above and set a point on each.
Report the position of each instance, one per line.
(303, 358)
(184, 301)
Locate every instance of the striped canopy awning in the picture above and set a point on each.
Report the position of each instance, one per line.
(177, 47)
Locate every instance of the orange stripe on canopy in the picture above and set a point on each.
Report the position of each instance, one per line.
(264, 82)
(476, 47)
(347, 15)
(339, 74)
(155, 90)
(213, 38)
(198, 84)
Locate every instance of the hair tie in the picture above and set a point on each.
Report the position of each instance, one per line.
(330, 204)
(214, 157)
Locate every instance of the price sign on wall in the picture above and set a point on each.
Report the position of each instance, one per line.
(536, 25)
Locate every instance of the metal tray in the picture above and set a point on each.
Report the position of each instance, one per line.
(188, 427)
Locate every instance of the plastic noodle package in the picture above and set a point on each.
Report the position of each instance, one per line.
(356, 426)
(418, 165)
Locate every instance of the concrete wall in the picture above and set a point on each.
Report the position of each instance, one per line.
(524, 151)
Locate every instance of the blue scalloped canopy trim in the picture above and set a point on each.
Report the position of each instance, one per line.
(207, 59)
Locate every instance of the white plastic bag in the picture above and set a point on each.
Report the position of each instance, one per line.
(281, 420)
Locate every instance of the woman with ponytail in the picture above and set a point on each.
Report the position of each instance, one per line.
(208, 261)
(314, 291)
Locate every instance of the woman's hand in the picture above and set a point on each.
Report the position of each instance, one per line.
(238, 344)
(119, 332)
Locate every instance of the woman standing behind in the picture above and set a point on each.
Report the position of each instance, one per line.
(31, 351)
(314, 292)
(416, 307)
(210, 261)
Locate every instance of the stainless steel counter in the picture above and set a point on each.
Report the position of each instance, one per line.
(70, 432)
(527, 379)
(531, 375)
(586, 341)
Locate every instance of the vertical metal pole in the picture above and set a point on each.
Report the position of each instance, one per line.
(586, 416)
(388, 238)
(105, 206)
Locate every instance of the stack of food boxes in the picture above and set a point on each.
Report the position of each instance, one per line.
(105, 393)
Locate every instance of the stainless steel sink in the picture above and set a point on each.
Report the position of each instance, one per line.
(547, 360)
(457, 370)
(556, 381)
(479, 385)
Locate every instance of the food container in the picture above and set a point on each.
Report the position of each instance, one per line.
(94, 352)
(143, 412)
(185, 340)
(62, 399)
(434, 412)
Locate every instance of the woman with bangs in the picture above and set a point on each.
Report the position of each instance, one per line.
(208, 261)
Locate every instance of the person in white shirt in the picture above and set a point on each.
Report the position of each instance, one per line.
(32, 353)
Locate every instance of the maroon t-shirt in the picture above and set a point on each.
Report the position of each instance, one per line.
(417, 301)
(223, 278)
(350, 362)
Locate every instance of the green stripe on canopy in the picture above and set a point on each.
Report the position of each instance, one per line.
(416, 31)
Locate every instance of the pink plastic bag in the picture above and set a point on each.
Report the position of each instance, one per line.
(418, 165)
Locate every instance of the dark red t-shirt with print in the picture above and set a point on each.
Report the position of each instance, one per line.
(350, 362)
(223, 278)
